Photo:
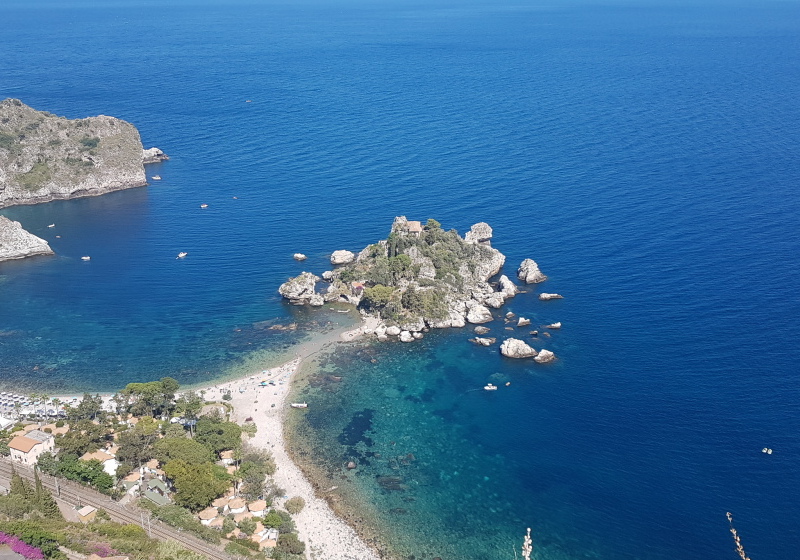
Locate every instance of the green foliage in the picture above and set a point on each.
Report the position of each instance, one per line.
(154, 398)
(295, 505)
(255, 466)
(197, 485)
(378, 296)
(36, 177)
(8, 141)
(239, 548)
(247, 526)
(89, 407)
(89, 142)
(31, 532)
(84, 437)
(189, 405)
(43, 499)
(227, 396)
(181, 518)
(136, 443)
(228, 525)
(218, 435)
(432, 224)
(288, 542)
(189, 451)
(250, 429)
(90, 473)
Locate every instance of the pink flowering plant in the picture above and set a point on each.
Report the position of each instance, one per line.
(26, 550)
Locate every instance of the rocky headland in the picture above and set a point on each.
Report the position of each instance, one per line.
(16, 243)
(44, 157)
(421, 277)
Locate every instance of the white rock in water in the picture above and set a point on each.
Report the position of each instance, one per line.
(553, 325)
(393, 330)
(479, 233)
(153, 155)
(16, 243)
(545, 296)
(483, 341)
(545, 356)
(327, 275)
(522, 322)
(495, 300)
(479, 314)
(300, 288)
(417, 335)
(299, 257)
(406, 336)
(507, 287)
(529, 272)
(342, 257)
(515, 348)
(316, 300)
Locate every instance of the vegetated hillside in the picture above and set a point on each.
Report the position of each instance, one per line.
(45, 157)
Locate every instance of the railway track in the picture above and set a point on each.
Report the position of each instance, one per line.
(77, 495)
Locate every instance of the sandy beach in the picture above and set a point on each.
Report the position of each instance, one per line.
(326, 535)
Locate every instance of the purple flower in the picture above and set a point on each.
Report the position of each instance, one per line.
(20, 547)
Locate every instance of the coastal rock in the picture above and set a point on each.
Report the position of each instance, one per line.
(553, 325)
(534, 333)
(515, 348)
(483, 341)
(44, 157)
(327, 275)
(393, 330)
(479, 314)
(414, 325)
(382, 337)
(545, 296)
(522, 322)
(510, 315)
(529, 272)
(417, 335)
(16, 243)
(545, 356)
(299, 289)
(299, 257)
(507, 287)
(342, 257)
(481, 330)
(479, 233)
(406, 336)
(153, 155)
(316, 300)
(495, 300)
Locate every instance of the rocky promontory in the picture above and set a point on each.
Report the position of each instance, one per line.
(44, 157)
(16, 243)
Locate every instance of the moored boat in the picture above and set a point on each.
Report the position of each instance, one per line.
(299, 405)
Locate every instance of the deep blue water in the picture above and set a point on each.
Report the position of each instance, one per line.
(644, 153)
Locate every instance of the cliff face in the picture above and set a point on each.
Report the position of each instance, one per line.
(44, 157)
(16, 243)
(421, 276)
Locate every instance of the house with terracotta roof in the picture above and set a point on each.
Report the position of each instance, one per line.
(109, 462)
(56, 431)
(237, 505)
(227, 457)
(258, 508)
(131, 482)
(208, 515)
(26, 449)
(240, 516)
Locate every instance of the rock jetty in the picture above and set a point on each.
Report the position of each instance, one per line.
(44, 157)
(16, 243)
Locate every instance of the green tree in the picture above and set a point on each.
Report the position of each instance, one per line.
(19, 487)
(295, 505)
(136, 443)
(432, 224)
(247, 526)
(289, 542)
(45, 502)
(184, 449)
(272, 520)
(218, 435)
(89, 408)
(197, 485)
(378, 296)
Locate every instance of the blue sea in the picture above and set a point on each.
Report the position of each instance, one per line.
(644, 153)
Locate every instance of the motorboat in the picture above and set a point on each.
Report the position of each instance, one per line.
(490, 387)
(52, 225)
(299, 405)
(86, 258)
(181, 255)
(156, 177)
(204, 206)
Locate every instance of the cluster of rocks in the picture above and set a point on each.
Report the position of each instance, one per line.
(16, 243)
(516, 348)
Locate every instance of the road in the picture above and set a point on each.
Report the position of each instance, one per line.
(76, 495)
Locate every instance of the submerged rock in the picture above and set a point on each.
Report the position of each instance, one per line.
(483, 341)
(529, 272)
(515, 348)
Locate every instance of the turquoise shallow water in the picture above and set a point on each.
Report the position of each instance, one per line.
(643, 153)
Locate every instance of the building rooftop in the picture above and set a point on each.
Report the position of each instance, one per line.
(23, 443)
(86, 510)
(99, 455)
(39, 435)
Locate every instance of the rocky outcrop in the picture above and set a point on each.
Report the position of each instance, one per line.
(478, 313)
(545, 296)
(16, 243)
(342, 257)
(406, 336)
(300, 289)
(299, 257)
(482, 330)
(394, 330)
(44, 157)
(483, 341)
(153, 155)
(479, 233)
(545, 356)
(529, 272)
(553, 325)
(507, 287)
(522, 321)
(515, 348)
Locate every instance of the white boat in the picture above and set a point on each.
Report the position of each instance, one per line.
(490, 387)
(181, 255)
(204, 206)
(299, 405)
(156, 177)
(86, 258)
(52, 225)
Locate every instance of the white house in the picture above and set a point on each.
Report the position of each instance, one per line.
(109, 462)
(26, 449)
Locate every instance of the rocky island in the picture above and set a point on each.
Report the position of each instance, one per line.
(44, 157)
(16, 243)
(421, 277)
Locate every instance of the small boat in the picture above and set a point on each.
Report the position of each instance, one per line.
(181, 255)
(156, 177)
(767, 450)
(299, 405)
(490, 387)
(52, 225)
(204, 206)
(86, 258)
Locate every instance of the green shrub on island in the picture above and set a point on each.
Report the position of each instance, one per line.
(181, 518)
(295, 505)
(289, 543)
(247, 526)
(250, 429)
